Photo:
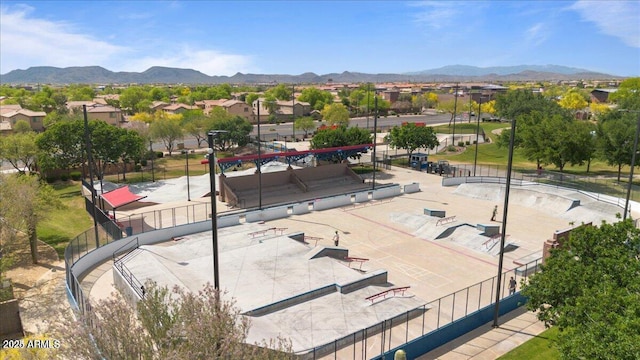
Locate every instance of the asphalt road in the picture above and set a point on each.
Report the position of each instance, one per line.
(278, 132)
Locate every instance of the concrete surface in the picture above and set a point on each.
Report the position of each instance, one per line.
(394, 235)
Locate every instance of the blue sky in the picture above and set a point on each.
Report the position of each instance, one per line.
(293, 37)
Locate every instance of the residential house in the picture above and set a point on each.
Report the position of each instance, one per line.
(157, 105)
(239, 108)
(285, 110)
(178, 108)
(11, 116)
(107, 113)
(601, 95)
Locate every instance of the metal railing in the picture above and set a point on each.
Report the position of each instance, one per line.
(391, 333)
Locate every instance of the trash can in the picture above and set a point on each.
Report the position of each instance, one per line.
(128, 230)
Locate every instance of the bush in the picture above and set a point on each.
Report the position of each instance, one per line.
(51, 179)
(467, 143)
(451, 148)
(159, 155)
(461, 143)
(143, 162)
(138, 167)
(75, 175)
(64, 177)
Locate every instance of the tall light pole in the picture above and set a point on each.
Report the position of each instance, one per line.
(259, 162)
(153, 159)
(214, 212)
(186, 156)
(504, 224)
(90, 164)
(633, 165)
(375, 137)
(475, 158)
(293, 112)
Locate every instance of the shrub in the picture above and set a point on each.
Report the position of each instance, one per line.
(138, 167)
(467, 143)
(51, 179)
(451, 148)
(143, 162)
(75, 175)
(461, 143)
(159, 154)
(64, 177)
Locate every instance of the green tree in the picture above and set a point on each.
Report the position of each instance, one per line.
(132, 100)
(20, 150)
(336, 114)
(615, 137)
(251, 97)
(590, 289)
(22, 126)
(62, 146)
(25, 202)
(166, 324)
(628, 95)
(237, 129)
(305, 124)
(167, 129)
(316, 98)
(340, 136)
(411, 137)
(280, 92)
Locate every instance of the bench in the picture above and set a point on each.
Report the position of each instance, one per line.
(384, 294)
(436, 213)
(446, 220)
(355, 259)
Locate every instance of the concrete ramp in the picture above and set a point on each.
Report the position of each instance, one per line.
(550, 203)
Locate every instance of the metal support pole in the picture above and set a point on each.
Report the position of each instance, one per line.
(504, 224)
(186, 155)
(259, 164)
(475, 158)
(633, 165)
(153, 160)
(90, 164)
(375, 137)
(214, 215)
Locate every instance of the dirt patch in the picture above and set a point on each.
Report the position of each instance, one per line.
(23, 273)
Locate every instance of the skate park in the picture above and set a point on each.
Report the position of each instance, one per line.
(420, 236)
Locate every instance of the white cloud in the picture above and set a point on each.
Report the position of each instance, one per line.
(210, 62)
(27, 41)
(537, 34)
(619, 19)
(436, 14)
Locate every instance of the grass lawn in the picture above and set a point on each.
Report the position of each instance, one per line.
(540, 347)
(62, 225)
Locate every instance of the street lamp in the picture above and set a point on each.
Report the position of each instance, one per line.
(214, 216)
(375, 137)
(475, 158)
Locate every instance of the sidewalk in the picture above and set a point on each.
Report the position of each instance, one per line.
(488, 343)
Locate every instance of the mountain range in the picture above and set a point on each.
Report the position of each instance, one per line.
(166, 75)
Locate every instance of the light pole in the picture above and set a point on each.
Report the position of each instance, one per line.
(475, 158)
(633, 165)
(496, 312)
(153, 159)
(90, 164)
(259, 161)
(186, 156)
(214, 215)
(375, 137)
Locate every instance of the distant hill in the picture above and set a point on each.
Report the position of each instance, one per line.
(165, 75)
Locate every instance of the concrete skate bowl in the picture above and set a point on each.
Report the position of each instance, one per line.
(554, 204)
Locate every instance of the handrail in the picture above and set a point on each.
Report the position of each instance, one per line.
(383, 294)
(115, 253)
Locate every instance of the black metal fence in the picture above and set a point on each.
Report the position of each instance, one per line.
(391, 333)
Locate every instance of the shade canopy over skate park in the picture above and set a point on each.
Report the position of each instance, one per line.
(404, 242)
